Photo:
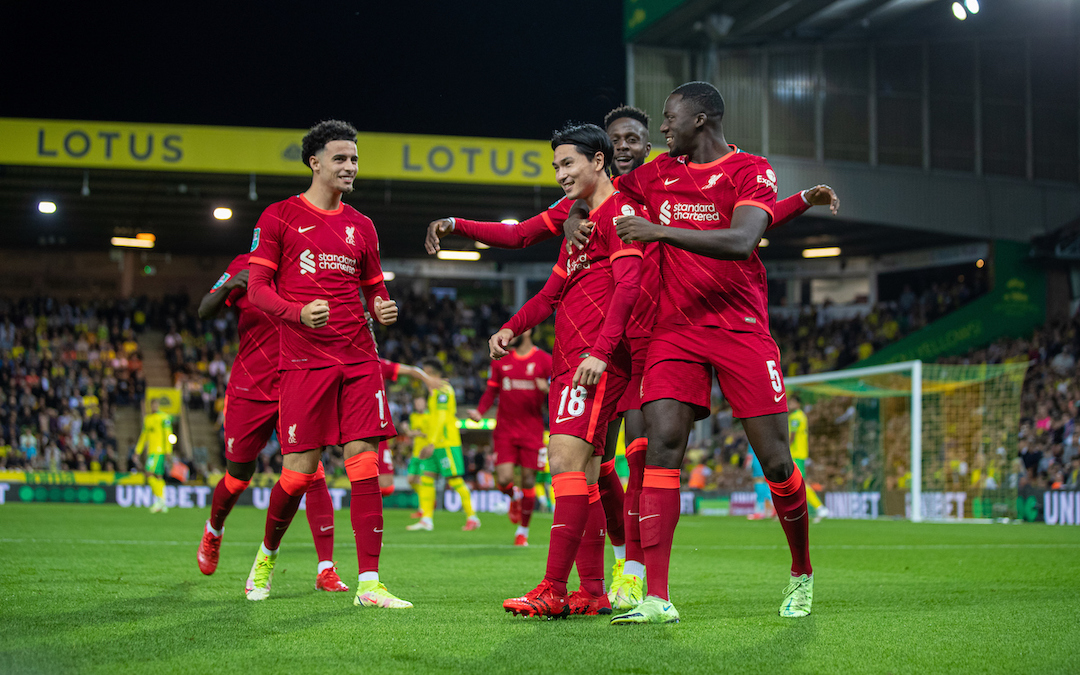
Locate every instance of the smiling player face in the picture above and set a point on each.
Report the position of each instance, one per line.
(576, 173)
(335, 165)
(680, 125)
(631, 141)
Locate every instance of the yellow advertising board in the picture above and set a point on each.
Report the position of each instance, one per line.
(207, 149)
(168, 399)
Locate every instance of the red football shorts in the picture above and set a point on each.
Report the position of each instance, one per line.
(386, 459)
(585, 411)
(631, 398)
(682, 358)
(333, 406)
(518, 451)
(248, 425)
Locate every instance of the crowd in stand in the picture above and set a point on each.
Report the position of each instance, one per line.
(810, 342)
(64, 369)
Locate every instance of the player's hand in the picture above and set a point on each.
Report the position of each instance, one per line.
(427, 452)
(385, 311)
(636, 228)
(239, 281)
(474, 414)
(820, 195)
(315, 314)
(432, 382)
(498, 342)
(543, 385)
(577, 231)
(588, 372)
(436, 230)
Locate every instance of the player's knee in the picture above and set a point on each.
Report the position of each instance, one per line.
(241, 472)
(777, 466)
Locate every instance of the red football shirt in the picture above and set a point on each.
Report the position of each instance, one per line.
(255, 370)
(320, 255)
(513, 380)
(389, 369)
(697, 290)
(588, 283)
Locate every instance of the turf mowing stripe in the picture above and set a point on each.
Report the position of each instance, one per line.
(827, 547)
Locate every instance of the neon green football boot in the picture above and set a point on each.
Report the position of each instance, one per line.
(374, 594)
(651, 610)
(262, 573)
(629, 594)
(798, 597)
(616, 579)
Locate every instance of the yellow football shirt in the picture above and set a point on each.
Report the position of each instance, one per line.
(798, 429)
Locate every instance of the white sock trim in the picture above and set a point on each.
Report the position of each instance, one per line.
(620, 551)
(367, 576)
(325, 565)
(634, 567)
(266, 551)
(522, 530)
(216, 533)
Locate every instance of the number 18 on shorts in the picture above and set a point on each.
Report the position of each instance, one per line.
(585, 411)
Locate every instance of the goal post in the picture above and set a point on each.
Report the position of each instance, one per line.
(925, 441)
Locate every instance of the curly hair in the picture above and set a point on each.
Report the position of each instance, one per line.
(627, 111)
(322, 133)
(589, 139)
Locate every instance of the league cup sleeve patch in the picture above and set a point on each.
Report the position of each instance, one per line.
(255, 240)
(220, 282)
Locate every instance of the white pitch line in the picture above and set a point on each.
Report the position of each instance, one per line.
(733, 547)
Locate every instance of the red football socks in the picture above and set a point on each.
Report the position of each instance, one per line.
(570, 517)
(590, 554)
(226, 492)
(284, 500)
(320, 516)
(659, 515)
(507, 489)
(365, 513)
(635, 458)
(789, 500)
(528, 503)
(612, 497)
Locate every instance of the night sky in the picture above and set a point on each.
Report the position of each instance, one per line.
(495, 69)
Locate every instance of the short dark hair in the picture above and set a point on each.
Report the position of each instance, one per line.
(589, 139)
(705, 96)
(627, 111)
(322, 133)
(434, 364)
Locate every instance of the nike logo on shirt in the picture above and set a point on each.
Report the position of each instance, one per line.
(560, 420)
(776, 399)
(302, 230)
(669, 182)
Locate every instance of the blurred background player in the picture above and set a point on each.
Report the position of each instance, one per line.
(716, 202)
(422, 448)
(312, 250)
(763, 507)
(799, 438)
(250, 416)
(520, 384)
(155, 445)
(447, 458)
(593, 291)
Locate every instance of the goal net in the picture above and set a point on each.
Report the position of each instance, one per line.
(914, 440)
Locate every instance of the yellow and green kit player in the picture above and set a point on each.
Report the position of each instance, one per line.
(155, 442)
(799, 440)
(447, 458)
(419, 422)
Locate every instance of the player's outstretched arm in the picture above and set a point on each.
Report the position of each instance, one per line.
(488, 398)
(738, 242)
(215, 300)
(535, 310)
(797, 204)
(501, 235)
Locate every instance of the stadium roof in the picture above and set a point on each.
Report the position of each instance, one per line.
(733, 22)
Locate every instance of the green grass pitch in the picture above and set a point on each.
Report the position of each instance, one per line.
(101, 589)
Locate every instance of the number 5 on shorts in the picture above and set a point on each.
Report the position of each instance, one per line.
(575, 406)
(774, 377)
